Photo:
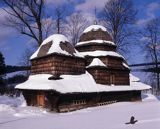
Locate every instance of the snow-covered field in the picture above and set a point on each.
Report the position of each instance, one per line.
(15, 115)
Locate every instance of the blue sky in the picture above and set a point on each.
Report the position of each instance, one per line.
(13, 45)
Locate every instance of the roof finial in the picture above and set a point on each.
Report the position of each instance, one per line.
(95, 13)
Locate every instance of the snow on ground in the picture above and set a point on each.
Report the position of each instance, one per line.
(112, 116)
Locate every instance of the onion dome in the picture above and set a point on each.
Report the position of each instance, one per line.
(95, 32)
(56, 43)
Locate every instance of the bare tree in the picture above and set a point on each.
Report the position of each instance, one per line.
(59, 18)
(151, 34)
(76, 23)
(48, 27)
(27, 17)
(117, 16)
(25, 60)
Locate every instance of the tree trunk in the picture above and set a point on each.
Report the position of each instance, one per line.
(156, 62)
(158, 82)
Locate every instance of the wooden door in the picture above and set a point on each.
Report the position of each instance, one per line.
(40, 99)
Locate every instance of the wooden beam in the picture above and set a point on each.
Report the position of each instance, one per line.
(143, 64)
(153, 70)
(11, 69)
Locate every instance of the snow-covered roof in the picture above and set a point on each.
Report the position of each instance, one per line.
(57, 38)
(96, 41)
(76, 83)
(69, 83)
(101, 53)
(57, 43)
(125, 65)
(94, 28)
(134, 78)
(96, 62)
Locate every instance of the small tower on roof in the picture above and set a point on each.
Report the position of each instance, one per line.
(57, 56)
(97, 46)
(95, 37)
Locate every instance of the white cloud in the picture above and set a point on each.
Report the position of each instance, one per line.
(142, 21)
(87, 8)
(150, 13)
(59, 2)
(56, 2)
(4, 47)
(5, 31)
(152, 7)
(89, 5)
(143, 39)
(90, 17)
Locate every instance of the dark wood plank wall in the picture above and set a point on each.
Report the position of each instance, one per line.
(110, 62)
(58, 65)
(121, 78)
(58, 102)
(100, 75)
(67, 101)
(95, 35)
(109, 76)
(114, 62)
(95, 46)
(42, 65)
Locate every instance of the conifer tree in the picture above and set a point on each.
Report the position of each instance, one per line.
(2, 73)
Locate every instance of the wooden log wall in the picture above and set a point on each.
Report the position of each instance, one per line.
(57, 102)
(136, 96)
(121, 77)
(30, 97)
(67, 101)
(108, 76)
(110, 62)
(95, 46)
(113, 62)
(101, 76)
(40, 98)
(58, 65)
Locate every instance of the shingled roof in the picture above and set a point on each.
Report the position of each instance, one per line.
(95, 32)
(58, 44)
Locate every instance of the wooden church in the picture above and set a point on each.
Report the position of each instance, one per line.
(66, 78)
